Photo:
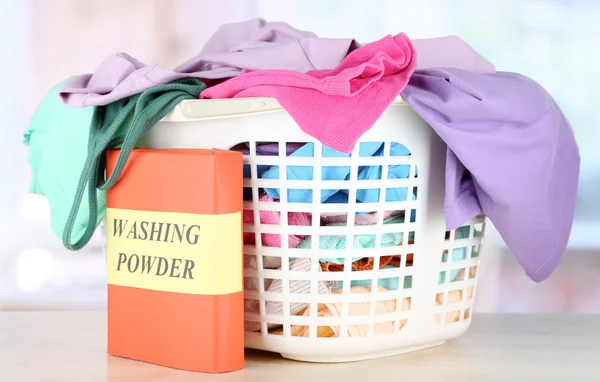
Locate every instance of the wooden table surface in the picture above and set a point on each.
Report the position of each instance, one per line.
(70, 346)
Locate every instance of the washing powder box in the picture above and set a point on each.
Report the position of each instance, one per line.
(174, 258)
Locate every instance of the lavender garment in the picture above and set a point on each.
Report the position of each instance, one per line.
(254, 44)
(267, 149)
(257, 44)
(450, 52)
(511, 154)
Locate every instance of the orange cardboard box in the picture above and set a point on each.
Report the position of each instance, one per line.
(174, 259)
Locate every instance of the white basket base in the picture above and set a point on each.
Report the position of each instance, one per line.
(359, 357)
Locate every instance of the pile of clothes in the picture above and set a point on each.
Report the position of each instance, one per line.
(511, 152)
(357, 285)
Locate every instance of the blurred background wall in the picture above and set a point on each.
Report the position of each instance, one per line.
(45, 41)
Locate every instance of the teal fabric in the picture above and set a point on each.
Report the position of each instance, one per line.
(57, 137)
(457, 254)
(392, 283)
(120, 124)
(66, 152)
(360, 241)
(389, 283)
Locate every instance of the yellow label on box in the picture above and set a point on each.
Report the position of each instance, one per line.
(174, 252)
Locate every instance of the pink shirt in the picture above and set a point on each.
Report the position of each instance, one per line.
(348, 99)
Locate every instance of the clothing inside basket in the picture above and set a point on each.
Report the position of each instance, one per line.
(339, 173)
(332, 265)
(391, 306)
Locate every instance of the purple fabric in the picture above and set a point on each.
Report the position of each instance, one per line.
(267, 149)
(255, 45)
(450, 52)
(511, 154)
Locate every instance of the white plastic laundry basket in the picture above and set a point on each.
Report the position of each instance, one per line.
(293, 305)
